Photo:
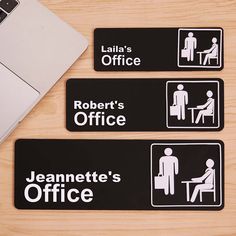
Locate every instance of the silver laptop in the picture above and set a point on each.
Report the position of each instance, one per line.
(36, 49)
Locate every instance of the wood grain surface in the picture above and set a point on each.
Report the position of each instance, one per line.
(47, 120)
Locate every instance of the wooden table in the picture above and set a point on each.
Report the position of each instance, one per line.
(47, 120)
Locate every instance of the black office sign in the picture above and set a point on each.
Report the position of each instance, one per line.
(119, 174)
(145, 104)
(158, 49)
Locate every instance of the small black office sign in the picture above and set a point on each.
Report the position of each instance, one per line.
(158, 49)
(119, 174)
(145, 104)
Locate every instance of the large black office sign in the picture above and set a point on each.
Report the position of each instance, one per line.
(158, 49)
(144, 104)
(119, 174)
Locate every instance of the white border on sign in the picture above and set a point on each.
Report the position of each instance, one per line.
(192, 81)
(200, 66)
(173, 144)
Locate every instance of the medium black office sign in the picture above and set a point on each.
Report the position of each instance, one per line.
(158, 49)
(144, 104)
(119, 174)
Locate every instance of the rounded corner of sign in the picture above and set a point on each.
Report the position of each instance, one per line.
(220, 128)
(69, 81)
(220, 143)
(68, 128)
(221, 207)
(16, 206)
(19, 141)
(221, 29)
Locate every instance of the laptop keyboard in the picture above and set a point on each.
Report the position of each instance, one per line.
(6, 7)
